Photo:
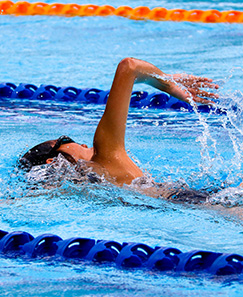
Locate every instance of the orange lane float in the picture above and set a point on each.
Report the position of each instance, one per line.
(123, 11)
(138, 13)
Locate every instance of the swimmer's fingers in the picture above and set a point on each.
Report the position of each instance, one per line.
(191, 89)
(193, 78)
(197, 96)
(203, 93)
(202, 85)
(183, 77)
(197, 99)
(195, 81)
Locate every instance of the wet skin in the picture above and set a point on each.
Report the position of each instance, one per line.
(108, 152)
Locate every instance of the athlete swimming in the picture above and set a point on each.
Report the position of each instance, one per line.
(108, 157)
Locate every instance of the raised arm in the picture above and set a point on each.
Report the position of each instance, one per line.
(110, 133)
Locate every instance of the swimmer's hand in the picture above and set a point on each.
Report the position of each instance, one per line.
(190, 88)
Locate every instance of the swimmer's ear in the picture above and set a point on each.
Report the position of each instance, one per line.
(49, 160)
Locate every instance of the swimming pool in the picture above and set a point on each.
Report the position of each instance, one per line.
(204, 149)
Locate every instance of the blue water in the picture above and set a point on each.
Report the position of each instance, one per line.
(204, 150)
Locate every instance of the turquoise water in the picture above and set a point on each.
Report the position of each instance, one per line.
(204, 150)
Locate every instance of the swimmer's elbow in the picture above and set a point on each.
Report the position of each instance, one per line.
(141, 71)
(127, 65)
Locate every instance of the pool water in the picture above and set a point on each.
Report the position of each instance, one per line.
(204, 150)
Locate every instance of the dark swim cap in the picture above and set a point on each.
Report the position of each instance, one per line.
(41, 152)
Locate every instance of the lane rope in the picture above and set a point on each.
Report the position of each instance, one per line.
(139, 99)
(138, 13)
(125, 255)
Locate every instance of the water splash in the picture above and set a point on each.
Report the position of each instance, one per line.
(219, 168)
(227, 166)
(229, 197)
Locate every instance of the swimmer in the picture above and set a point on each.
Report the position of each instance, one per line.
(108, 156)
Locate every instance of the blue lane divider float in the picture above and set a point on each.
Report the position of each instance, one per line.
(126, 255)
(139, 99)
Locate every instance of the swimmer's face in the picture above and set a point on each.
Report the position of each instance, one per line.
(74, 152)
